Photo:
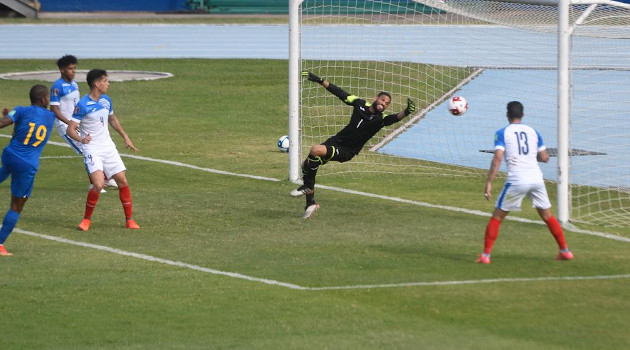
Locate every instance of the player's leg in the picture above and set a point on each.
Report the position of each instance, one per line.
(115, 168)
(509, 199)
(124, 194)
(10, 220)
(94, 166)
(310, 166)
(540, 201)
(22, 180)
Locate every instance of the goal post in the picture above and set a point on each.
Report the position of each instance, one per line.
(567, 60)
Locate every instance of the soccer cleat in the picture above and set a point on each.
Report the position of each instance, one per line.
(131, 223)
(483, 259)
(567, 255)
(4, 252)
(302, 190)
(309, 210)
(102, 189)
(85, 224)
(111, 184)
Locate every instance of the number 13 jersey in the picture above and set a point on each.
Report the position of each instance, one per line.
(521, 144)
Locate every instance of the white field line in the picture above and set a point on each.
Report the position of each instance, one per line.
(453, 283)
(297, 287)
(160, 260)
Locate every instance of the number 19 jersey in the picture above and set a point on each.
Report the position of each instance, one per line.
(521, 144)
(31, 132)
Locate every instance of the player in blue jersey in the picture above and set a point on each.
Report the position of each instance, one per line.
(366, 120)
(523, 147)
(20, 159)
(89, 126)
(64, 95)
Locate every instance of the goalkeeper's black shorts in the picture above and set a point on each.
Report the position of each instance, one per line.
(337, 153)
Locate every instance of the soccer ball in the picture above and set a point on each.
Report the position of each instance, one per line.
(283, 144)
(457, 105)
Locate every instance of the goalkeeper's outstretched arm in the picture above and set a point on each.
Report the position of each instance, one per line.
(334, 89)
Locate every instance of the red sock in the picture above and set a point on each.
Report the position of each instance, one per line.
(125, 199)
(90, 203)
(556, 231)
(492, 232)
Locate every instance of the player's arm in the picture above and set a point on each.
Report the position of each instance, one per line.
(73, 132)
(542, 156)
(55, 109)
(332, 88)
(492, 172)
(113, 121)
(394, 118)
(5, 120)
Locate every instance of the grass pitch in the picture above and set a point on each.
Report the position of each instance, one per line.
(227, 115)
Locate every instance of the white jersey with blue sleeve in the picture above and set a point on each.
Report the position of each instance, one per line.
(521, 144)
(65, 95)
(93, 119)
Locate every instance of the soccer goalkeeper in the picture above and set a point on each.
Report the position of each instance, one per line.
(366, 120)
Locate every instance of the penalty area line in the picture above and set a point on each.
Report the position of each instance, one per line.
(297, 287)
(161, 261)
(482, 281)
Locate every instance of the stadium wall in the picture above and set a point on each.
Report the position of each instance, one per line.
(113, 5)
(208, 6)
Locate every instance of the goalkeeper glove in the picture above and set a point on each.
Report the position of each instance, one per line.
(411, 107)
(312, 77)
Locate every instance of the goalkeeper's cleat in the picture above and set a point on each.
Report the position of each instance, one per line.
(309, 210)
(131, 223)
(302, 190)
(564, 255)
(483, 259)
(4, 252)
(111, 184)
(85, 224)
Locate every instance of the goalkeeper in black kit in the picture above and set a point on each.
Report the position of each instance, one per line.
(366, 120)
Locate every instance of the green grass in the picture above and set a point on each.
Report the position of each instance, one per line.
(227, 115)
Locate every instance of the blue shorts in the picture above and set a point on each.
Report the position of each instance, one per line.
(22, 174)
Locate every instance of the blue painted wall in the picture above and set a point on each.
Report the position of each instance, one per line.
(113, 5)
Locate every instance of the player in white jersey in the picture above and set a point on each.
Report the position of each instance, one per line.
(523, 148)
(89, 126)
(64, 95)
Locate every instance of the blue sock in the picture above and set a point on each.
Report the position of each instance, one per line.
(8, 224)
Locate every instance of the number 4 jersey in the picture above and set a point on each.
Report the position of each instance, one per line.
(521, 144)
(31, 132)
(93, 119)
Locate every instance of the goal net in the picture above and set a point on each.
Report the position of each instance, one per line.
(490, 52)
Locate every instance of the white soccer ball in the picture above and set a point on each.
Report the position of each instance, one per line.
(457, 105)
(283, 144)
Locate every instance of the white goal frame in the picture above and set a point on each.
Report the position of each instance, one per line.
(565, 31)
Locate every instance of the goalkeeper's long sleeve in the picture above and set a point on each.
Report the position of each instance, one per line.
(339, 92)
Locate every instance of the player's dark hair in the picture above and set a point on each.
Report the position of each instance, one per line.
(515, 110)
(66, 60)
(384, 93)
(37, 93)
(94, 75)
